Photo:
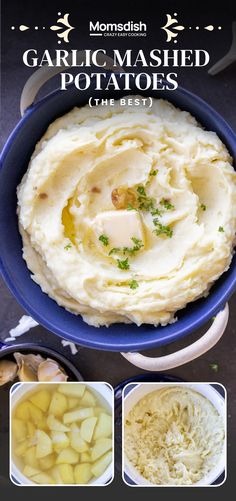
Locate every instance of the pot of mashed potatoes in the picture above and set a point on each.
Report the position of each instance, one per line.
(127, 214)
(173, 436)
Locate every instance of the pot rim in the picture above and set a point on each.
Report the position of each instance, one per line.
(166, 334)
(6, 350)
(104, 390)
(210, 393)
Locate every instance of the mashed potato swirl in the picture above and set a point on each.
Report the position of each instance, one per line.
(164, 247)
(174, 436)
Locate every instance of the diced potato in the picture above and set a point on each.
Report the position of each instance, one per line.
(87, 428)
(68, 456)
(43, 479)
(72, 402)
(47, 462)
(21, 448)
(66, 473)
(30, 429)
(55, 474)
(22, 411)
(19, 429)
(59, 440)
(101, 464)
(74, 427)
(58, 405)
(101, 446)
(44, 444)
(41, 399)
(30, 458)
(98, 410)
(42, 424)
(88, 399)
(35, 413)
(62, 436)
(77, 442)
(56, 425)
(77, 415)
(85, 457)
(29, 471)
(82, 473)
(104, 426)
(72, 390)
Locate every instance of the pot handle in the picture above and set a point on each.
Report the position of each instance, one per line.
(181, 357)
(43, 74)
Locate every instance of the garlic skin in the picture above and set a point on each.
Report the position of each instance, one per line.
(8, 371)
(27, 366)
(32, 361)
(31, 368)
(26, 374)
(49, 370)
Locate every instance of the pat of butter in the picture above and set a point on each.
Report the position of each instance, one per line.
(119, 226)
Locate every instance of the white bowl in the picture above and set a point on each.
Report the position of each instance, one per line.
(143, 389)
(105, 395)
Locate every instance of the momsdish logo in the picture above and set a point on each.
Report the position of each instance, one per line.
(128, 29)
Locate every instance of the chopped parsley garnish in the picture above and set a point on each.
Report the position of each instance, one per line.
(133, 284)
(166, 204)
(145, 203)
(161, 229)
(156, 212)
(153, 172)
(203, 207)
(214, 367)
(114, 250)
(141, 191)
(130, 207)
(123, 265)
(221, 229)
(138, 244)
(68, 246)
(104, 239)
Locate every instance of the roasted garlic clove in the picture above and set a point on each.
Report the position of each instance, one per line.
(8, 371)
(124, 197)
(26, 374)
(50, 370)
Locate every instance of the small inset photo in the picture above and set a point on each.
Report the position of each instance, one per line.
(61, 434)
(174, 434)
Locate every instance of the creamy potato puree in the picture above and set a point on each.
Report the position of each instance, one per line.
(174, 436)
(127, 214)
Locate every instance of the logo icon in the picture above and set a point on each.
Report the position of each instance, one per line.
(172, 28)
(66, 26)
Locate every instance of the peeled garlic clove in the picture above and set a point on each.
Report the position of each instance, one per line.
(8, 371)
(50, 370)
(26, 374)
(32, 361)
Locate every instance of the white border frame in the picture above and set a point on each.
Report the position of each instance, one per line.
(86, 383)
(175, 384)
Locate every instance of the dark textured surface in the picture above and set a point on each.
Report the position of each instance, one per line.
(218, 91)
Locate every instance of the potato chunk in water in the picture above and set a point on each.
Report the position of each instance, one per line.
(62, 434)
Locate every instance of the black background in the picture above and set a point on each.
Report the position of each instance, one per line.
(218, 91)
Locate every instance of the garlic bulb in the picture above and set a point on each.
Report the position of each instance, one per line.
(8, 371)
(50, 370)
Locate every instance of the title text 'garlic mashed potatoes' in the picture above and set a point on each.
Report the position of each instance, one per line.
(127, 214)
(174, 436)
